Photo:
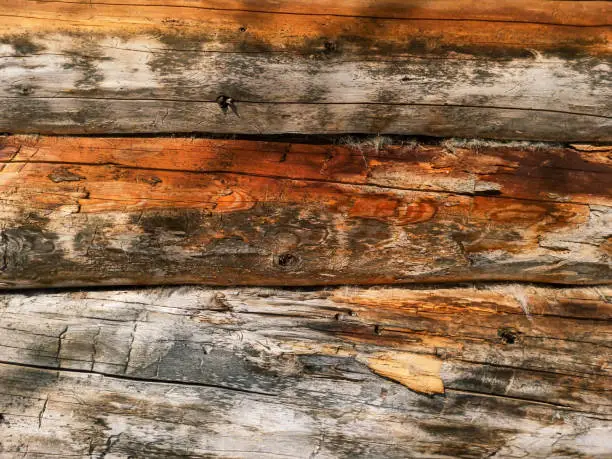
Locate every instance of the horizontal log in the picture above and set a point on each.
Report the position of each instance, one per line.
(553, 12)
(117, 211)
(497, 371)
(516, 70)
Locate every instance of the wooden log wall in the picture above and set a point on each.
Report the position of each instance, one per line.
(535, 70)
(305, 229)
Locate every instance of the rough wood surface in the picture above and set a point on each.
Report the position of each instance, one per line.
(93, 211)
(500, 371)
(513, 69)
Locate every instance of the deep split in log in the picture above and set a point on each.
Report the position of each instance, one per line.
(498, 371)
(120, 211)
(514, 69)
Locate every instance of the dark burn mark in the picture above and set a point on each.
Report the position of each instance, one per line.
(226, 103)
(25, 113)
(101, 422)
(187, 222)
(490, 51)
(430, 46)
(153, 180)
(29, 254)
(343, 326)
(172, 22)
(487, 192)
(508, 335)
(63, 174)
(240, 247)
(330, 46)
(22, 89)
(86, 111)
(33, 383)
(321, 47)
(287, 260)
(557, 170)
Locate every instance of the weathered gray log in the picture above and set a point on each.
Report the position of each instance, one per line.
(499, 371)
(495, 71)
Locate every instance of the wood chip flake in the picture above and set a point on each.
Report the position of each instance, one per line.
(420, 373)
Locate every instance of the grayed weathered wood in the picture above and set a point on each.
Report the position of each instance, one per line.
(107, 68)
(83, 211)
(266, 373)
(96, 116)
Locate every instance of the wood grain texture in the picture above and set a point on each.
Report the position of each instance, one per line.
(338, 373)
(122, 211)
(472, 69)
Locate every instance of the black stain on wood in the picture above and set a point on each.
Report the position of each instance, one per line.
(22, 44)
(508, 335)
(157, 223)
(23, 89)
(287, 260)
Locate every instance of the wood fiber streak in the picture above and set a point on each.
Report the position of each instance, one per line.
(471, 69)
(497, 371)
(120, 211)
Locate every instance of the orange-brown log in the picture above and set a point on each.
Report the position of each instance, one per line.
(89, 211)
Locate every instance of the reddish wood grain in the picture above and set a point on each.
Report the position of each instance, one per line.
(83, 211)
